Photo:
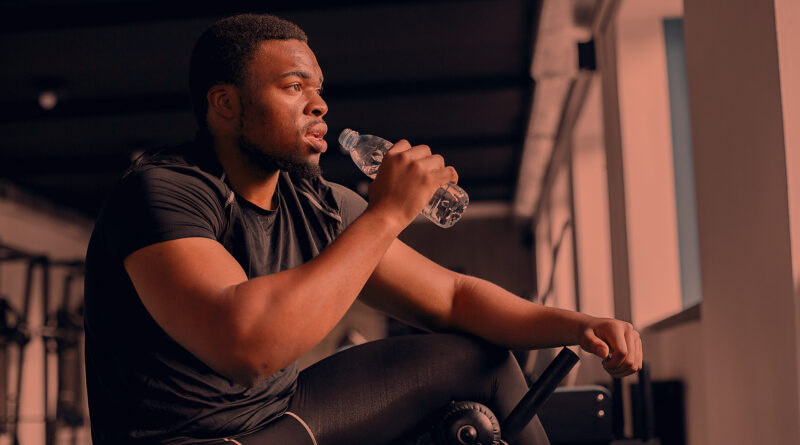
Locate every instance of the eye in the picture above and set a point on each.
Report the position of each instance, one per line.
(295, 87)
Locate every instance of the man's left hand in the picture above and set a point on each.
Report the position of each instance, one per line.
(614, 341)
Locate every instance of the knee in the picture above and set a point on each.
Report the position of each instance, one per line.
(474, 353)
(486, 352)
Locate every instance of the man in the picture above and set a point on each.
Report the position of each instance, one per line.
(215, 265)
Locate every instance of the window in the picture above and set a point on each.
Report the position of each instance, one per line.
(683, 165)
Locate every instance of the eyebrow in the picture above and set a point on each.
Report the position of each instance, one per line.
(300, 74)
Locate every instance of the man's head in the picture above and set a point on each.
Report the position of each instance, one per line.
(222, 53)
(255, 80)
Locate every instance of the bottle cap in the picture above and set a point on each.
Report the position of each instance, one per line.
(348, 139)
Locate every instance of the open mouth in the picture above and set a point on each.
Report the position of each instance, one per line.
(315, 136)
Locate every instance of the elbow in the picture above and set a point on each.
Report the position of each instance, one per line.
(246, 353)
(255, 353)
(237, 337)
(257, 342)
(249, 369)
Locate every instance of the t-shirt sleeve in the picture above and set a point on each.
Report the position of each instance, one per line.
(160, 204)
(351, 204)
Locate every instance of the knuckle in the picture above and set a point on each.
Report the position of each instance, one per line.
(627, 328)
(392, 153)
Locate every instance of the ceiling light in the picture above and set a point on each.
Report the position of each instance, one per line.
(48, 100)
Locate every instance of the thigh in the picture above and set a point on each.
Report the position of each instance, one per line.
(380, 391)
(286, 430)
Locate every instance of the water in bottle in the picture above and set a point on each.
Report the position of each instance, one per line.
(446, 205)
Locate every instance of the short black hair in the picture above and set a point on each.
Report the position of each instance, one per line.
(223, 51)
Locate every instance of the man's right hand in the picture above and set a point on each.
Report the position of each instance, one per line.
(406, 181)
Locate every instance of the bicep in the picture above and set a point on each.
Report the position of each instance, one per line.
(185, 285)
(411, 287)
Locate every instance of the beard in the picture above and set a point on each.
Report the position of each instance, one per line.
(267, 162)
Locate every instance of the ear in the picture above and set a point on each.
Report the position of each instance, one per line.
(223, 102)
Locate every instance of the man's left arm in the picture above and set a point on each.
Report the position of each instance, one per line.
(420, 292)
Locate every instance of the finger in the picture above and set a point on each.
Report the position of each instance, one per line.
(445, 175)
(596, 345)
(636, 349)
(621, 371)
(640, 350)
(417, 152)
(619, 348)
(633, 361)
(629, 362)
(620, 374)
(616, 372)
(432, 162)
(453, 174)
(399, 147)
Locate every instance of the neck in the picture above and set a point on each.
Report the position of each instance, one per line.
(248, 180)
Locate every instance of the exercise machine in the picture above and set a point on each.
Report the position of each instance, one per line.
(472, 423)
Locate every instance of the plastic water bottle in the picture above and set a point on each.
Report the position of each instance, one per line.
(446, 205)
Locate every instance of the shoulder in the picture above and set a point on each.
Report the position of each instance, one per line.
(180, 169)
(162, 196)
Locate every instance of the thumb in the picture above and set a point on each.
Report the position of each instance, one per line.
(595, 345)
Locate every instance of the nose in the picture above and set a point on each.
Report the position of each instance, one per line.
(317, 106)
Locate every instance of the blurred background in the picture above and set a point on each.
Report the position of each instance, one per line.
(625, 158)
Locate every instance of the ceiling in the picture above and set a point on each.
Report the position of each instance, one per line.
(451, 74)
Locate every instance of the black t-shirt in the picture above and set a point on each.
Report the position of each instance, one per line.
(143, 386)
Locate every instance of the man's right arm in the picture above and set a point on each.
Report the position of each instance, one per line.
(247, 329)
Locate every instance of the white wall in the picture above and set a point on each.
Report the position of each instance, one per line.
(749, 312)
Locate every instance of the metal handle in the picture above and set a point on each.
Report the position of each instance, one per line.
(526, 409)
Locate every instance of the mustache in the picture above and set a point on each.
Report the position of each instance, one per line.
(313, 123)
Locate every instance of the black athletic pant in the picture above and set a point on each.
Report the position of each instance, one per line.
(391, 391)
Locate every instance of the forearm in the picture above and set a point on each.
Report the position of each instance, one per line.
(490, 312)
